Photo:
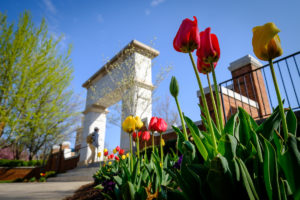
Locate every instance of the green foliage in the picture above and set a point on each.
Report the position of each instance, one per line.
(19, 163)
(36, 106)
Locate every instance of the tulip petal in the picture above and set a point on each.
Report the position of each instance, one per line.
(203, 67)
(209, 50)
(187, 38)
(215, 44)
(262, 36)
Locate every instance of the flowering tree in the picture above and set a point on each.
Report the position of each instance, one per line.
(36, 107)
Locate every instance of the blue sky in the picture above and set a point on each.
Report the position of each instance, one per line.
(99, 29)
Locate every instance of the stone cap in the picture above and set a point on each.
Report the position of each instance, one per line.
(248, 59)
(133, 45)
(232, 94)
(95, 108)
(206, 90)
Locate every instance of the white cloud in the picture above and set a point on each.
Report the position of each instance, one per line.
(156, 2)
(100, 18)
(49, 5)
(147, 12)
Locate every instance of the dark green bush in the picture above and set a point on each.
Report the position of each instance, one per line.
(19, 163)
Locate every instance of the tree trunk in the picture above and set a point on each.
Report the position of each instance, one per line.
(2, 125)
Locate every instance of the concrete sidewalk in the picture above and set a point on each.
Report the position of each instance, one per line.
(37, 191)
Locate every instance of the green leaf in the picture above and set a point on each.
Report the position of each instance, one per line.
(118, 180)
(175, 194)
(271, 171)
(196, 135)
(244, 129)
(251, 194)
(290, 164)
(268, 126)
(216, 130)
(257, 145)
(249, 179)
(219, 179)
(230, 125)
(291, 120)
(99, 187)
(180, 138)
(227, 146)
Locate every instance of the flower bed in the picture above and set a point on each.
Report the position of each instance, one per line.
(237, 160)
(21, 173)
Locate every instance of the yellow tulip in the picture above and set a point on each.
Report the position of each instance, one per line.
(105, 150)
(109, 163)
(162, 142)
(266, 42)
(115, 151)
(123, 157)
(127, 155)
(138, 123)
(99, 154)
(129, 124)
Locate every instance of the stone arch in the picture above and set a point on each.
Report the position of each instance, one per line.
(126, 77)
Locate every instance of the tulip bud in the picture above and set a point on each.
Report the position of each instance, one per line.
(152, 124)
(174, 88)
(187, 38)
(209, 50)
(121, 152)
(266, 42)
(138, 123)
(118, 148)
(129, 124)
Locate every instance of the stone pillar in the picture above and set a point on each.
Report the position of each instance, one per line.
(94, 116)
(137, 101)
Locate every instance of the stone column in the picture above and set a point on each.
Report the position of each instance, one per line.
(94, 116)
(137, 101)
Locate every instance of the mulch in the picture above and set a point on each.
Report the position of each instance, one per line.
(86, 192)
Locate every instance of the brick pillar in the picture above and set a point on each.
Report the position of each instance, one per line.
(251, 84)
(209, 101)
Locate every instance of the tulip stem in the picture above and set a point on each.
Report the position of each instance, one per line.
(213, 102)
(281, 110)
(206, 112)
(145, 149)
(161, 150)
(152, 141)
(220, 112)
(181, 118)
(131, 158)
(138, 145)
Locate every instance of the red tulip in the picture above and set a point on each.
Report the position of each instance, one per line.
(111, 156)
(118, 148)
(161, 125)
(121, 152)
(117, 158)
(105, 153)
(187, 38)
(209, 50)
(146, 136)
(152, 123)
(134, 135)
(204, 68)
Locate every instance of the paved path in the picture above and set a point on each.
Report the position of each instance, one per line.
(38, 191)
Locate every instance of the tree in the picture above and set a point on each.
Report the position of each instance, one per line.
(36, 107)
(164, 109)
